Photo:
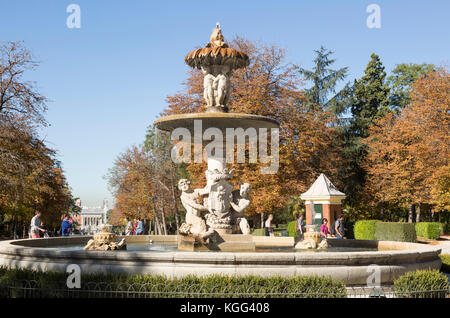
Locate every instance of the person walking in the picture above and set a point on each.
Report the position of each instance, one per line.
(324, 232)
(128, 227)
(268, 226)
(339, 227)
(299, 226)
(140, 227)
(35, 225)
(66, 226)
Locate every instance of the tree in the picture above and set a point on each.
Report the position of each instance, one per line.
(408, 154)
(19, 99)
(325, 81)
(30, 176)
(131, 182)
(369, 103)
(401, 80)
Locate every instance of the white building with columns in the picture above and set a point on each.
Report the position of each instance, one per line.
(91, 219)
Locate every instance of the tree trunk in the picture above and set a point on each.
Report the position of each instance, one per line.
(156, 221)
(382, 211)
(163, 218)
(418, 213)
(262, 220)
(410, 212)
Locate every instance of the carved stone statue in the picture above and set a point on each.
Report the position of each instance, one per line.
(217, 61)
(222, 85)
(239, 203)
(105, 241)
(208, 86)
(216, 85)
(190, 199)
(219, 198)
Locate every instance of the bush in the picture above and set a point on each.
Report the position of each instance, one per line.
(291, 229)
(365, 229)
(189, 286)
(429, 230)
(421, 284)
(395, 231)
(445, 258)
(259, 232)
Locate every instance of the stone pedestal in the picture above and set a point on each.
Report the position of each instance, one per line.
(218, 242)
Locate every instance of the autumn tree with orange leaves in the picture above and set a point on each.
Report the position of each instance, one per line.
(30, 176)
(408, 153)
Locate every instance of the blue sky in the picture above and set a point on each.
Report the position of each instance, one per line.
(109, 79)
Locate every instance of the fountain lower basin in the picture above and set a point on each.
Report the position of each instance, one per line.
(392, 258)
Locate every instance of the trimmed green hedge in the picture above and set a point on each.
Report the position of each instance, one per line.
(395, 231)
(189, 286)
(365, 229)
(445, 258)
(421, 284)
(291, 229)
(429, 230)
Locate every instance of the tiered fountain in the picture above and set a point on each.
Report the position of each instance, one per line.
(224, 226)
(215, 219)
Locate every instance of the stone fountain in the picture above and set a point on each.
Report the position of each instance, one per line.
(215, 216)
(105, 240)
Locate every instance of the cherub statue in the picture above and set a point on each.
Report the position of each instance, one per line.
(208, 86)
(190, 199)
(240, 202)
(222, 86)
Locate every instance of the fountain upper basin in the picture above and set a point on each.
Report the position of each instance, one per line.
(217, 120)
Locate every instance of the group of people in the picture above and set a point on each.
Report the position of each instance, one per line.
(337, 229)
(38, 229)
(134, 228)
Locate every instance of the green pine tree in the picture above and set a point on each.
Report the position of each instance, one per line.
(370, 101)
(370, 97)
(325, 80)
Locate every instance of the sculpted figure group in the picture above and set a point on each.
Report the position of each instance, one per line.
(223, 208)
(216, 85)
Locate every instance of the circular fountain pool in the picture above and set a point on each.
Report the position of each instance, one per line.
(348, 260)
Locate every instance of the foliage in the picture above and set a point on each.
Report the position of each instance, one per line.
(369, 102)
(407, 158)
(296, 207)
(325, 81)
(291, 229)
(20, 102)
(395, 231)
(303, 286)
(143, 181)
(445, 258)
(259, 232)
(427, 281)
(365, 229)
(429, 230)
(401, 80)
(30, 175)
